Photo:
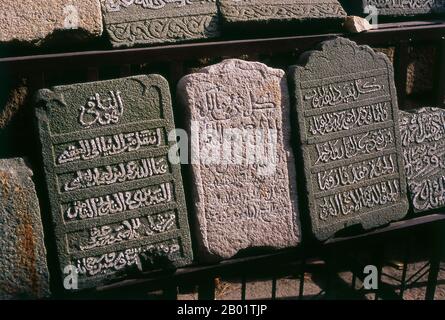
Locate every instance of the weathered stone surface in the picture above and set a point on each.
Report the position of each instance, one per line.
(235, 11)
(242, 164)
(131, 22)
(24, 273)
(117, 202)
(423, 140)
(356, 24)
(421, 70)
(32, 21)
(349, 130)
(395, 7)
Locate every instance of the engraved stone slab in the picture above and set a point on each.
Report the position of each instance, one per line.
(116, 200)
(236, 11)
(24, 272)
(395, 7)
(349, 129)
(242, 164)
(33, 21)
(131, 22)
(423, 140)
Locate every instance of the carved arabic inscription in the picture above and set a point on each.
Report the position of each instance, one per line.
(116, 200)
(346, 110)
(423, 141)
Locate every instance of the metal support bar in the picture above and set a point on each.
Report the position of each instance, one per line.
(206, 289)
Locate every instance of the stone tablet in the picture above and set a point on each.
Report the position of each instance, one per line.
(236, 11)
(31, 21)
(423, 140)
(395, 7)
(131, 22)
(117, 202)
(349, 129)
(23, 270)
(242, 163)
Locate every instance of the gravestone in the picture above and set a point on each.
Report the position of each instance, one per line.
(394, 7)
(34, 22)
(116, 200)
(131, 22)
(24, 272)
(254, 11)
(423, 141)
(242, 165)
(348, 124)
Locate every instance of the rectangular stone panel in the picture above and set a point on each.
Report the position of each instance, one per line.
(423, 141)
(243, 168)
(35, 22)
(117, 202)
(394, 7)
(254, 11)
(23, 269)
(347, 111)
(132, 22)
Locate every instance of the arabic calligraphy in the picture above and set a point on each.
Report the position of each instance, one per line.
(352, 201)
(429, 193)
(357, 172)
(119, 202)
(427, 125)
(103, 112)
(423, 141)
(336, 94)
(115, 261)
(122, 172)
(110, 145)
(353, 146)
(131, 229)
(107, 235)
(226, 105)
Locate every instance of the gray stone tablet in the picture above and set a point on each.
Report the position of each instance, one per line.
(394, 7)
(423, 140)
(24, 273)
(242, 163)
(131, 22)
(236, 11)
(34, 22)
(349, 129)
(116, 200)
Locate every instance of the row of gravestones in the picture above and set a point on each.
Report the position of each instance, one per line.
(114, 181)
(132, 22)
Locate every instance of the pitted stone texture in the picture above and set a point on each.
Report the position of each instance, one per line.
(117, 202)
(241, 202)
(423, 140)
(356, 24)
(395, 7)
(235, 11)
(24, 272)
(133, 22)
(31, 21)
(349, 129)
